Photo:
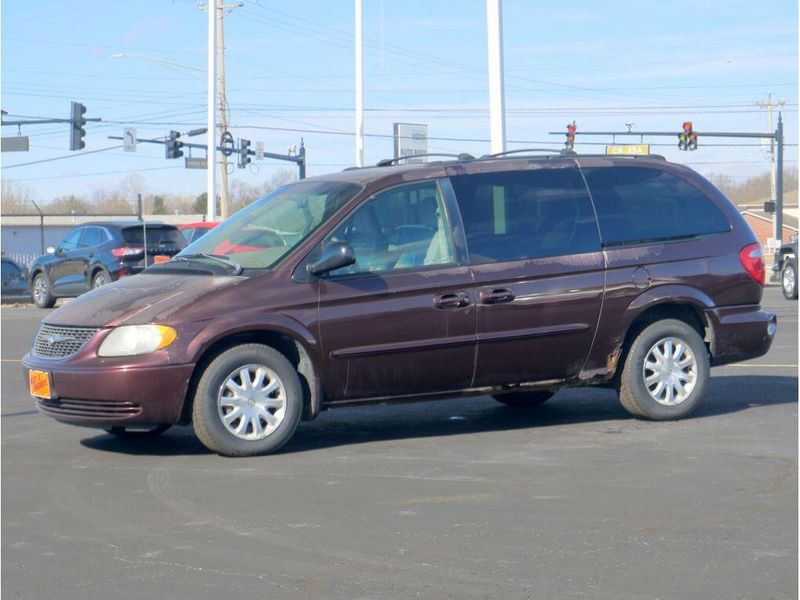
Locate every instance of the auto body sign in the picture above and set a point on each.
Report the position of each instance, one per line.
(410, 139)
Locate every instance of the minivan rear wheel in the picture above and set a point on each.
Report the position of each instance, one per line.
(248, 401)
(666, 372)
(524, 399)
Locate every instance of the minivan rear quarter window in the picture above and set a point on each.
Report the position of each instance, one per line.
(526, 214)
(638, 204)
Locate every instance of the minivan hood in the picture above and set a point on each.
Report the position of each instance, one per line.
(143, 298)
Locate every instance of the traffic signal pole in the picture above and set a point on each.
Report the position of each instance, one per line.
(174, 150)
(76, 121)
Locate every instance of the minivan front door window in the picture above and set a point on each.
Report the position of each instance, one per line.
(402, 228)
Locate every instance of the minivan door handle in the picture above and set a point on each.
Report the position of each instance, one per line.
(496, 296)
(451, 300)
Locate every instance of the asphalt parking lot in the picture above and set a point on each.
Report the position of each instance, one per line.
(451, 499)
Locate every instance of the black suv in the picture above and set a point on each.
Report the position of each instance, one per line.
(95, 254)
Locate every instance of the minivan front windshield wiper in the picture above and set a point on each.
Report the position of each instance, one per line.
(237, 268)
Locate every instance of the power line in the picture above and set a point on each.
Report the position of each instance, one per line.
(97, 173)
(45, 160)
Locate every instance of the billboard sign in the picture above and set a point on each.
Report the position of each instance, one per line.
(410, 139)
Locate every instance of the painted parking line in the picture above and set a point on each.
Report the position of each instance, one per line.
(759, 366)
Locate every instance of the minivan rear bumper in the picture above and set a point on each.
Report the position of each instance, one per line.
(740, 333)
(112, 395)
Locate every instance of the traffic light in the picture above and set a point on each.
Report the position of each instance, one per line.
(77, 132)
(174, 145)
(244, 153)
(687, 139)
(570, 144)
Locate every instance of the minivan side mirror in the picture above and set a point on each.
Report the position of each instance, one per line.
(51, 250)
(335, 255)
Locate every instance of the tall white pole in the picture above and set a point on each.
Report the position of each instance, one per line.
(359, 90)
(497, 103)
(211, 170)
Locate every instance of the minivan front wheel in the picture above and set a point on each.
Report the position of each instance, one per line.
(666, 372)
(248, 401)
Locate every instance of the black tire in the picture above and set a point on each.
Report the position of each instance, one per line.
(42, 291)
(789, 279)
(524, 399)
(136, 433)
(100, 278)
(207, 414)
(634, 394)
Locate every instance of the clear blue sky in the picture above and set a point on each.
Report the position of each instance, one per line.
(290, 68)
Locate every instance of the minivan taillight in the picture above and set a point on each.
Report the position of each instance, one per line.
(126, 251)
(752, 259)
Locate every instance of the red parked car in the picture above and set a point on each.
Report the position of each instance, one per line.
(194, 231)
(508, 276)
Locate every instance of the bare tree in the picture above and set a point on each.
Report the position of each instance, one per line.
(15, 198)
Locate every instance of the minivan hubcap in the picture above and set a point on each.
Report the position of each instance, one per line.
(670, 371)
(251, 402)
(788, 280)
(39, 289)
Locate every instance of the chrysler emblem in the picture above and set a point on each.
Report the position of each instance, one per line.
(55, 339)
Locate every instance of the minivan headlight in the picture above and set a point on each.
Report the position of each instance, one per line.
(129, 340)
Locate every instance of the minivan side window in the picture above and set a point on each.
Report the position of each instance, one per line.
(519, 215)
(639, 204)
(401, 228)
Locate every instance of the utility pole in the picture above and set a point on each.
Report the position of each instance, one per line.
(223, 112)
(216, 14)
(359, 89)
(773, 172)
(211, 170)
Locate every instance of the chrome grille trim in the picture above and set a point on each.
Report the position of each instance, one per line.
(55, 341)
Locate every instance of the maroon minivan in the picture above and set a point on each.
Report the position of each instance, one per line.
(508, 276)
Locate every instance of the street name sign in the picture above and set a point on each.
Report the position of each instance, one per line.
(628, 149)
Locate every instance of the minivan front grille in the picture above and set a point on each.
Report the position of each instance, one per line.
(54, 341)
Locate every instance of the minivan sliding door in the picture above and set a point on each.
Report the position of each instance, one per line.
(534, 251)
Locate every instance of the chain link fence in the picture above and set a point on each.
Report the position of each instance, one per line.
(26, 236)
(27, 232)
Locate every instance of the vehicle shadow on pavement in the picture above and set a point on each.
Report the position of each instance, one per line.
(359, 425)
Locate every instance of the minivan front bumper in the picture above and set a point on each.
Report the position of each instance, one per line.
(107, 395)
(740, 333)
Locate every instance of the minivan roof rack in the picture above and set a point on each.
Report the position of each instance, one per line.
(527, 151)
(387, 162)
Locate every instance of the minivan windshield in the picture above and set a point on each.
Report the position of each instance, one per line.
(261, 234)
